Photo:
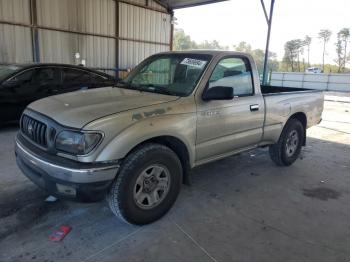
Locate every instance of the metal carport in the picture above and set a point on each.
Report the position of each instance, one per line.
(108, 33)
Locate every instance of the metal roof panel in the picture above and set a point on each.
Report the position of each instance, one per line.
(176, 4)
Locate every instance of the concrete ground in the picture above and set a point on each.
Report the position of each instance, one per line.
(242, 208)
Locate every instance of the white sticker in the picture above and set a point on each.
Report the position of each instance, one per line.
(193, 62)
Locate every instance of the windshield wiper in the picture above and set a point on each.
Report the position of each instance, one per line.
(146, 88)
(126, 85)
(167, 92)
(158, 89)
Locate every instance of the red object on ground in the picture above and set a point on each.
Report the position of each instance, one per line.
(60, 234)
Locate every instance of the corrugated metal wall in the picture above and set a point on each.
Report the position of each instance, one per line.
(60, 47)
(15, 44)
(155, 5)
(15, 41)
(60, 28)
(142, 25)
(15, 11)
(133, 52)
(95, 21)
(86, 16)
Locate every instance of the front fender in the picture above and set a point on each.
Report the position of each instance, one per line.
(180, 126)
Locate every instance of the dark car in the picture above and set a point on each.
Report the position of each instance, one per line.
(22, 84)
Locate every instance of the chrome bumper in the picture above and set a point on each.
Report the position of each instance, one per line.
(32, 163)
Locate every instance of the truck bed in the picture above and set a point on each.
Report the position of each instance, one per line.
(269, 90)
(282, 102)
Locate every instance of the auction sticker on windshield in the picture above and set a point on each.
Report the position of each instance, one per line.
(193, 62)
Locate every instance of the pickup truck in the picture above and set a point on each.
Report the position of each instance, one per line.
(136, 142)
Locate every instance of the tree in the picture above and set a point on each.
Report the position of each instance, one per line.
(299, 45)
(307, 42)
(340, 55)
(292, 49)
(324, 35)
(243, 47)
(211, 45)
(258, 55)
(344, 36)
(183, 41)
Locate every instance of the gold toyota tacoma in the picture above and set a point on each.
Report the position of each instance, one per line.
(136, 142)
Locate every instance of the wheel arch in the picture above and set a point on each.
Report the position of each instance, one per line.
(300, 116)
(176, 145)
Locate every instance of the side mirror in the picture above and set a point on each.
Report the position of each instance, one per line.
(218, 93)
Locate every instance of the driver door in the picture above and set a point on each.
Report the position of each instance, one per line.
(227, 126)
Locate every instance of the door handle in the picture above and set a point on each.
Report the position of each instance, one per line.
(254, 107)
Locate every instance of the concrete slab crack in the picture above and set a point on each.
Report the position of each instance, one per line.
(112, 245)
(195, 242)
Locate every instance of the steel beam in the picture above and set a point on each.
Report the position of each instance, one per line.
(171, 31)
(84, 33)
(264, 9)
(143, 6)
(34, 30)
(269, 25)
(117, 37)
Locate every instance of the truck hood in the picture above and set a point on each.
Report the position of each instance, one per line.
(78, 108)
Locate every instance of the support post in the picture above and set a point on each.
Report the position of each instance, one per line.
(269, 24)
(171, 30)
(34, 31)
(117, 38)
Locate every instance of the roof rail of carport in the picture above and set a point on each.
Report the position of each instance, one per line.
(177, 4)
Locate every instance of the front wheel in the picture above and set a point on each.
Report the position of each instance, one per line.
(288, 147)
(147, 184)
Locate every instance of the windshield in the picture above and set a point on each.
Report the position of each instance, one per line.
(172, 74)
(6, 70)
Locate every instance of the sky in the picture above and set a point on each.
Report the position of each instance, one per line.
(243, 20)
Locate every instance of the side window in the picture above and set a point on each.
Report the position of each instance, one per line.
(233, 72)
(46, 76)
(99, 80)
(22, 83)
(24, 77)
(75, 77)
(21, 79)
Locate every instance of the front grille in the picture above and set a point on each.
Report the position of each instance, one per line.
(34, 130)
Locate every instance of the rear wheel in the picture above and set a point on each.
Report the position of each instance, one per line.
(288, 147)
(147, 184)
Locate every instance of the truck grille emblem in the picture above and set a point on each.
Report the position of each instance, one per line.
(30, 129)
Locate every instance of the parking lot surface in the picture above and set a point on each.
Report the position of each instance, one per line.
(243, 208)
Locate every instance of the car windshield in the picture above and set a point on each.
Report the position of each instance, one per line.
(171, 74)
(6, 70)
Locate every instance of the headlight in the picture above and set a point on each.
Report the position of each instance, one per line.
(77, 143)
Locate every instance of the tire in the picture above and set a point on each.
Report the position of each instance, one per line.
(283, 153)
(134, 200)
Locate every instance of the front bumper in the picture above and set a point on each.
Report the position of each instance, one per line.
(72, 180)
